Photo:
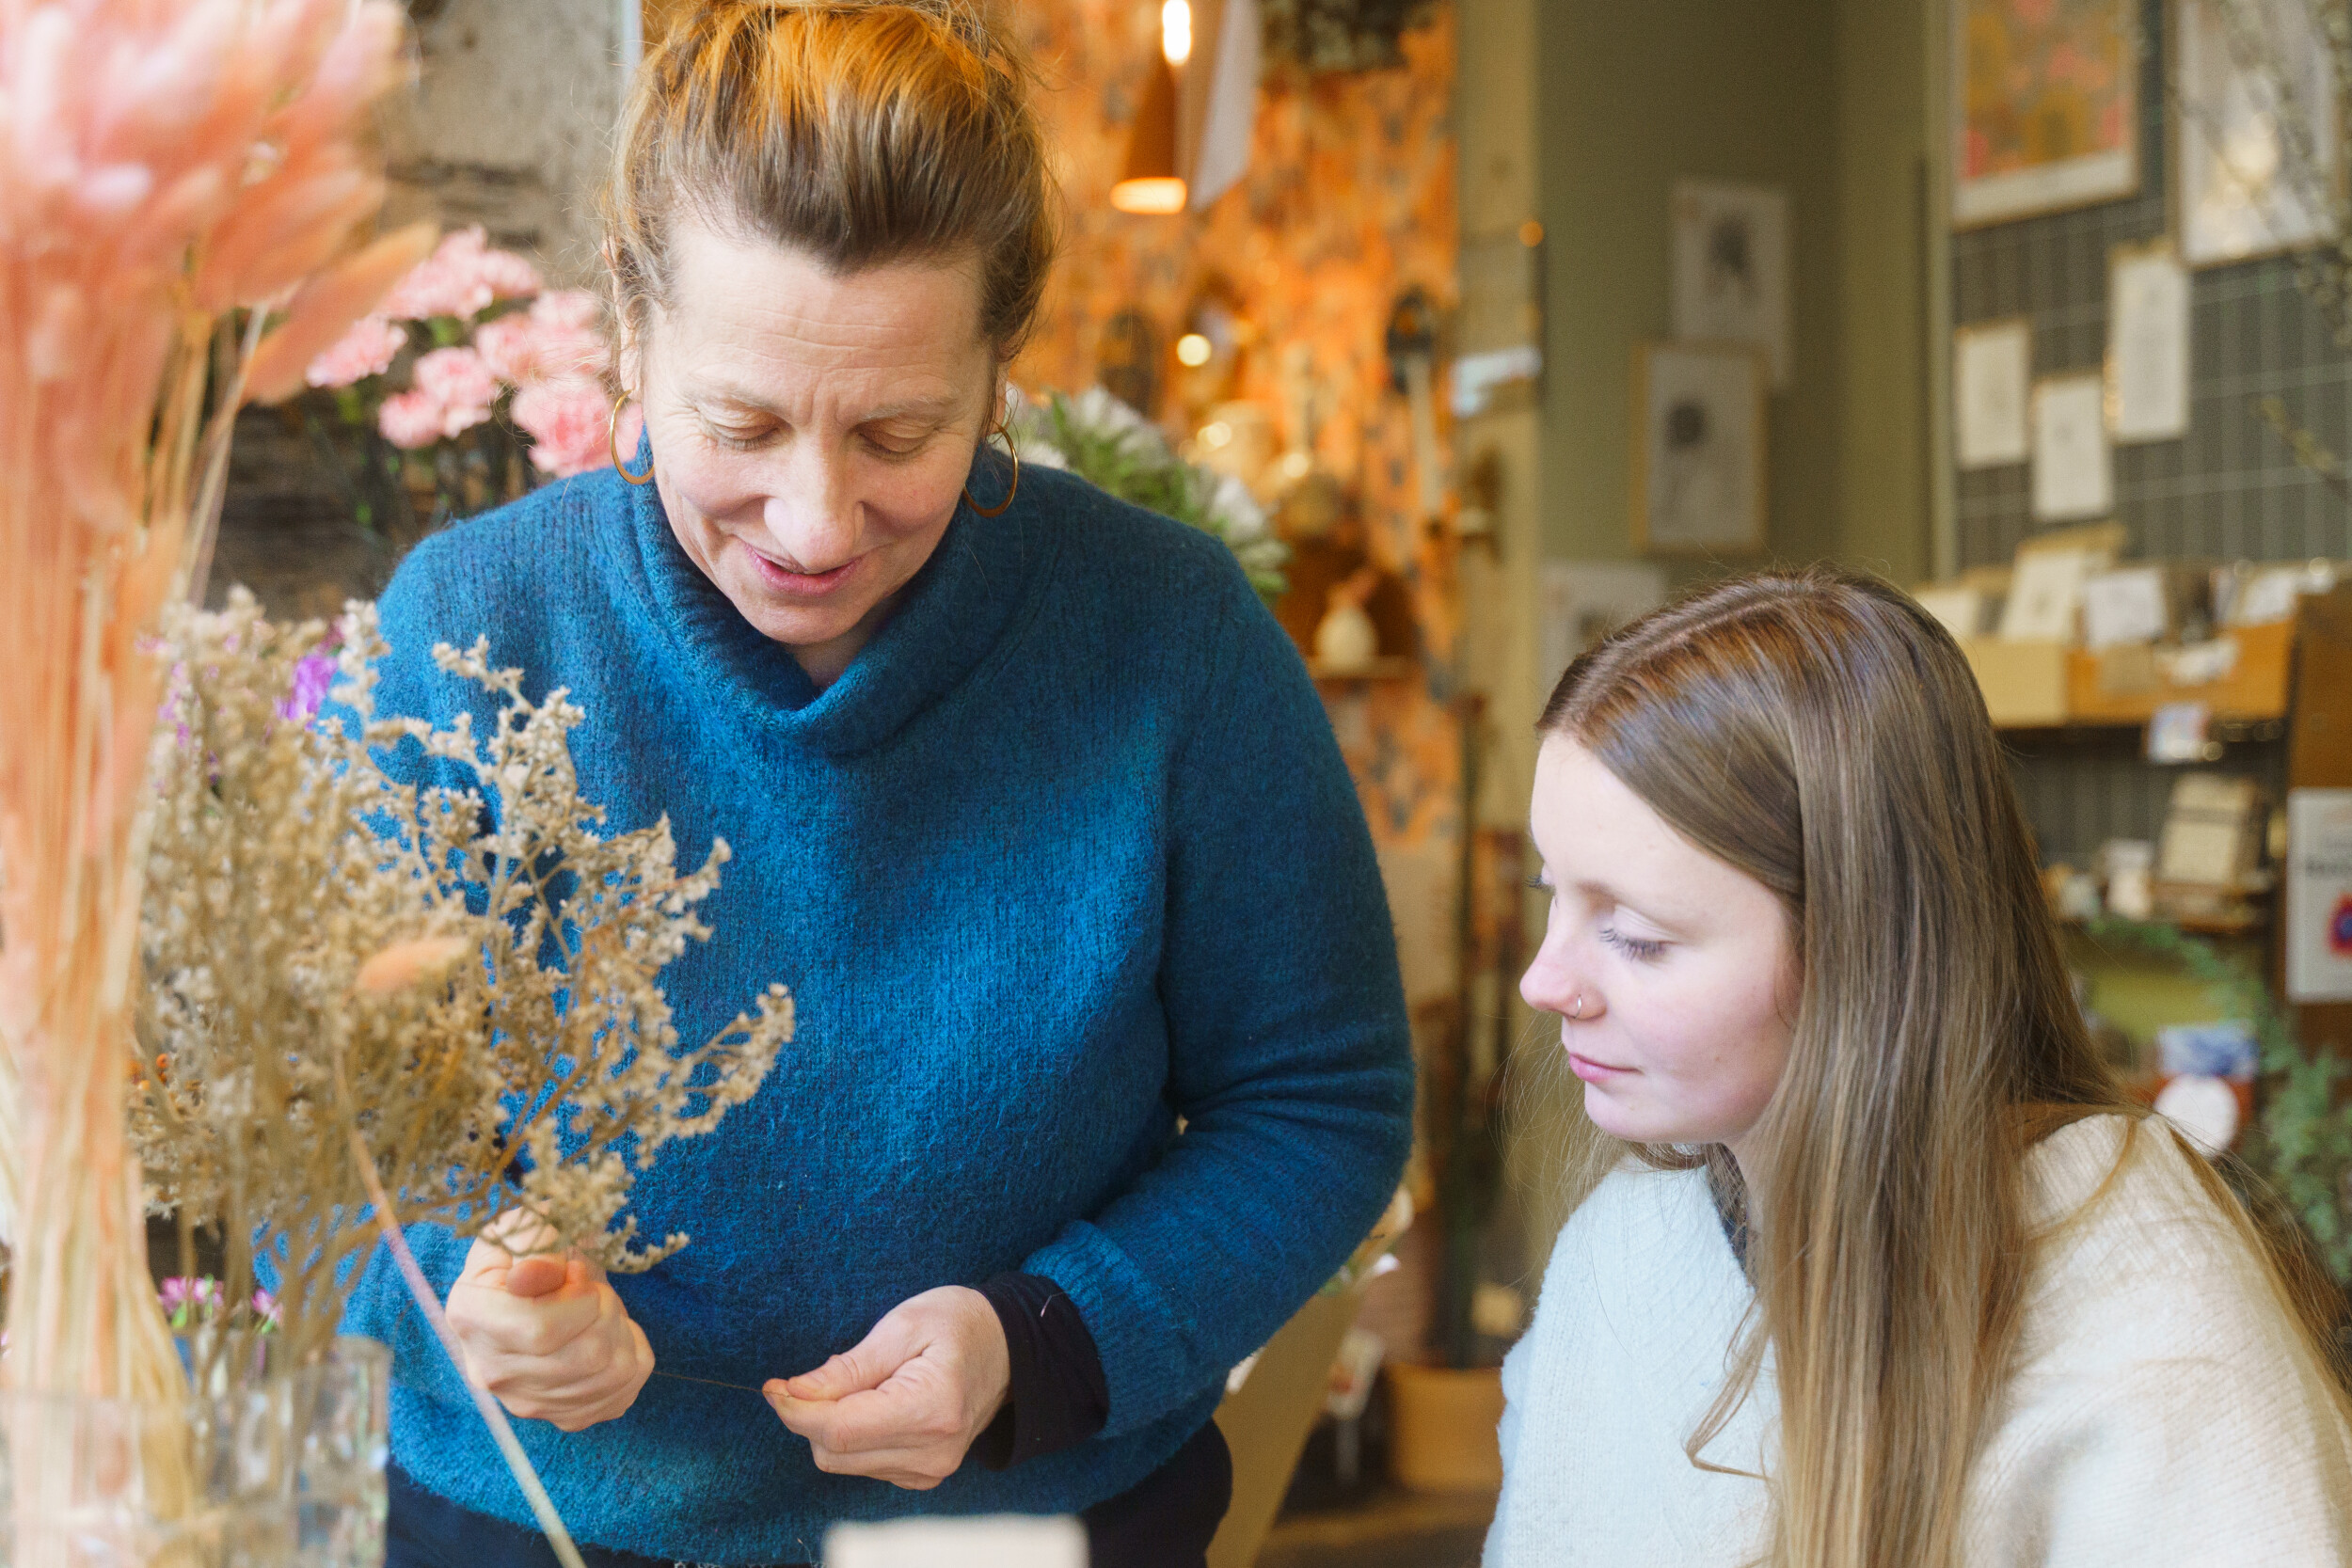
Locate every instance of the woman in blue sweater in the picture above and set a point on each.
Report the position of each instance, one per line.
(1103, 1067)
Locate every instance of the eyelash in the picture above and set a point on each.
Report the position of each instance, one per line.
(1637, 948)
(747, 443)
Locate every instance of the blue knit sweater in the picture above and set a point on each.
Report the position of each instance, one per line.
(1067, 854)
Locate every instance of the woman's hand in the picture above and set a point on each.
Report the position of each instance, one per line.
(905, 1404)
(546, 1333)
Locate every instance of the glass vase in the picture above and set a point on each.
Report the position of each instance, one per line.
(342, 1440)
(112, 1484)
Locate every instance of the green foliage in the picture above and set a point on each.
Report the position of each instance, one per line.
(1111, 445)
(2302, 1142)
(1341, 35)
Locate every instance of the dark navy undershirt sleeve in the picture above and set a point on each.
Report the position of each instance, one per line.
(1058, 1397)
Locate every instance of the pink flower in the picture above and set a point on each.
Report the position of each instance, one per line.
(506, 275)
(457, 378)
(461, 384)
(409, 421)
(566, 310)
(364, 351)
(183, 1296)
(462, 277)
(558, 339)
(569, 423)
(509, 346)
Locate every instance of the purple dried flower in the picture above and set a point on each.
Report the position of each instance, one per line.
(314, 677)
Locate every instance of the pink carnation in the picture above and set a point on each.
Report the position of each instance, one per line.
(543, 345)
(409, 421)
(462, 277)
(509, 346)
(569, 423)
(457, 378)
(566, 310)
(364, 351)
(461, 384)
(507, 274)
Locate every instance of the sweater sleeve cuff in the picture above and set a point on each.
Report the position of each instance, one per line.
(1058, 1397)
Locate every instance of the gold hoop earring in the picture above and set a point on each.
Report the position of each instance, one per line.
(612, 444)
(1002, 506)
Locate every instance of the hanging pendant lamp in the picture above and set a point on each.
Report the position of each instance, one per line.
(1154, 183)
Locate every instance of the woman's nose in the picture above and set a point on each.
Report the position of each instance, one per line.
(1553, 985)
(812, 516)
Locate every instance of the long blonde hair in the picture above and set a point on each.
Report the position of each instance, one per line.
(1820, 733)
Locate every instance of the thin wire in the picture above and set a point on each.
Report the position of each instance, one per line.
(709, 1381)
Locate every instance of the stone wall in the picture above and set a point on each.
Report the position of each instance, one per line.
(511, 123)
(508, 124)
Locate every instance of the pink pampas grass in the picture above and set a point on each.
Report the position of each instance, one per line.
(162, 163)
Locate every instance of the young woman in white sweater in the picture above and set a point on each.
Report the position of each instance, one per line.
(1883, 1270)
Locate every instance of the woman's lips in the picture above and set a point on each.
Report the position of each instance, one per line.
(803, 585)
(1592, 1071)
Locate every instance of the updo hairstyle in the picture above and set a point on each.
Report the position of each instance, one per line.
(860, 131)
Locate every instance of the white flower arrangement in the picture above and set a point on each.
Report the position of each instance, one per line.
(1109, 444)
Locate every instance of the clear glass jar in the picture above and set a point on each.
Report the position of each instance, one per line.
(341, 1434)
(112, 1484)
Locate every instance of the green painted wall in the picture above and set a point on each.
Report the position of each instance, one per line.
(1823, 96)
(1882, 147)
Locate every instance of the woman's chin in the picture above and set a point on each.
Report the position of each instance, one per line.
(1606, 1109)
(793, 619)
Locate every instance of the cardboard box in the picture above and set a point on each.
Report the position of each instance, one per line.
(2023, 682)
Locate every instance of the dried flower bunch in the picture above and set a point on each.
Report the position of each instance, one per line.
(465, 973)
(175, 176)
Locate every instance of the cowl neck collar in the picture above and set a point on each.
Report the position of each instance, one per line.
(949, 618)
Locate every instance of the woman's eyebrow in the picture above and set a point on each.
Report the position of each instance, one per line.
(937, 410)
(1601, 892)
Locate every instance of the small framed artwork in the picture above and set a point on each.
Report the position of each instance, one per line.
(1731, 268)
(1698, 448)
(2148, 302)
(1992, 383)
(2256, 166)
(2045, 107)
(2073, 469)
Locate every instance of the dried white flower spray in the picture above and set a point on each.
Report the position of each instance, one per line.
(458, 982)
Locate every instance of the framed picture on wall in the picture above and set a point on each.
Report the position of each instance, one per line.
(1731, 267)
(1698, 448)
(2045, 107)
(1992, 392)
(2257, 167)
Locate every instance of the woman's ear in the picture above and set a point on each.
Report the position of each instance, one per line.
(629, 367)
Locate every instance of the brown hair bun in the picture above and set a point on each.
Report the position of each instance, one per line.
(859, 131)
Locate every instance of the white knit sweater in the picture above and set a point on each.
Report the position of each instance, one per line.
(2159, 1414)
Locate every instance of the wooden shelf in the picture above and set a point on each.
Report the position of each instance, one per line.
(2047, 686)
(2121, 687)
(1391, 668)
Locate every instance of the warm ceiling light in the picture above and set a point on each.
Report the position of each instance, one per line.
(1151, 183)
(1176, 31)
(1155, 197)
(1192, 349)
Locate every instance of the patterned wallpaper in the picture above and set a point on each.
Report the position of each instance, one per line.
(1348, 202)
